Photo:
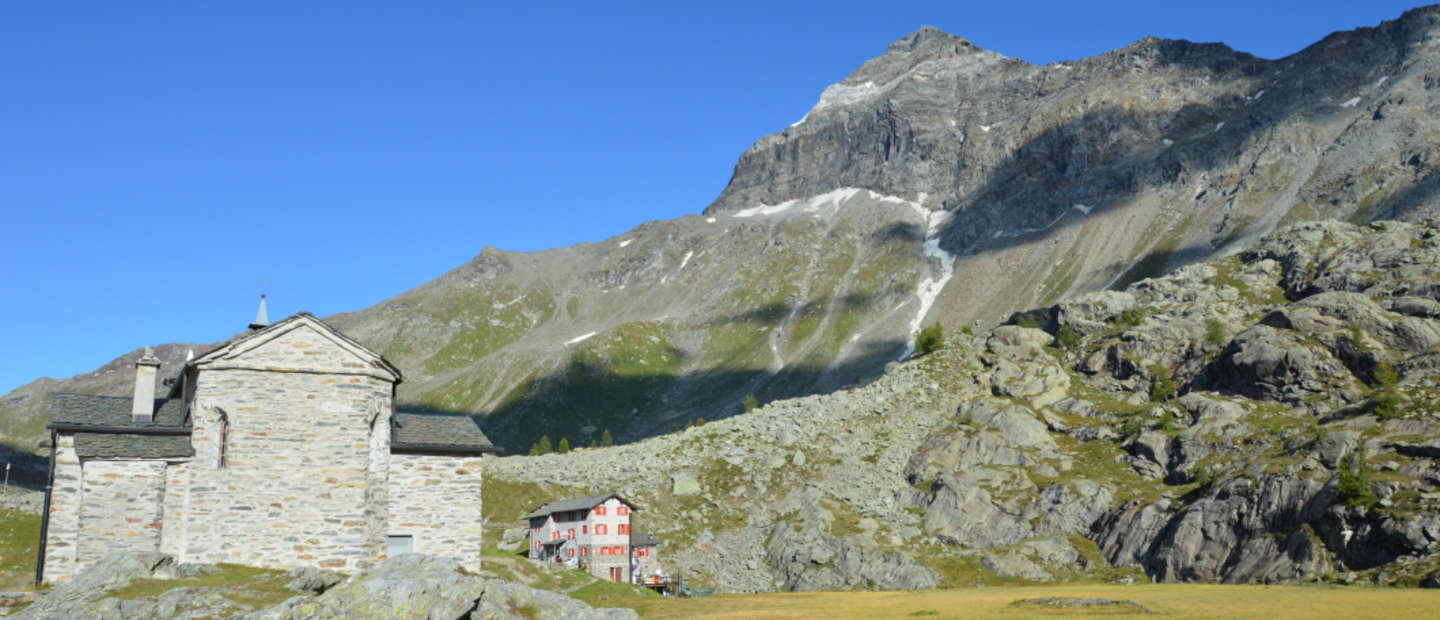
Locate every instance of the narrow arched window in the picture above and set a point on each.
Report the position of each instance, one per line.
(222, 441)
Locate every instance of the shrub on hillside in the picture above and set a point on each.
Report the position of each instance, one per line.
(930, 339)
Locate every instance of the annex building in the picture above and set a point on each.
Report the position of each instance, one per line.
(280, 448)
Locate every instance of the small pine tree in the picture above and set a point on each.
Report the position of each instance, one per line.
(1164, 387)
(606, 440)
(1068, 336)
(564, 445)
(750, 403)
(534, 449)
(1354, 482)
(699, 421)
(1385, 401)
(544, 447)
(1215, 332)
(930, 339)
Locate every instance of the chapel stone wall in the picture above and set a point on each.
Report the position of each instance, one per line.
(302, 482)
(436, 501)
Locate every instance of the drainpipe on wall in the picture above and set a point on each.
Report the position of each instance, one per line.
(45, 514)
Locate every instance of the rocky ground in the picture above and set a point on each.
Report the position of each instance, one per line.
(408, 587)
(1268, 417)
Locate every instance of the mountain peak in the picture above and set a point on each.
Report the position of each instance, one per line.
(926, 35)
(928, 44)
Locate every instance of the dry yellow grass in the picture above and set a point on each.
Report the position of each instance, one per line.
(1170, 601)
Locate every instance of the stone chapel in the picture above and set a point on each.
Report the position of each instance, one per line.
(280, 448)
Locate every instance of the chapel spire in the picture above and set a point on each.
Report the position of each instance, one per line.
(262, 319)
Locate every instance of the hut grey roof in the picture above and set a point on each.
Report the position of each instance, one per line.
(100, 424)
(579, 503)
(642, 539)
(438, 432)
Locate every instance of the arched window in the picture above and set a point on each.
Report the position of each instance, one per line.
(222, 441)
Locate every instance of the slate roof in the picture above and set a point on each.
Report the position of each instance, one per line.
(440, 432)
(111, 410)
(579, 503)
(117, 445)
(641, 539)
(73, 412)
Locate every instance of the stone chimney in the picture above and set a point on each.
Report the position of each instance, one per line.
(143, 410)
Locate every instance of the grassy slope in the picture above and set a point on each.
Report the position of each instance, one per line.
(1172, 601)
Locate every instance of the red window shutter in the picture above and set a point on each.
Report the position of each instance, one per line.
(585, 551)
(571, 553)
(570, 533)
(584, 529)
(537, 544)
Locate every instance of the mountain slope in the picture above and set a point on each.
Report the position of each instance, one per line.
(1268, 417)
(939, 182)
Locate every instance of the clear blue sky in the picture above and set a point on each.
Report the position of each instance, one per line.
(158, 159)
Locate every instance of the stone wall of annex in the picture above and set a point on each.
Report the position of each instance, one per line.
(121, 508)
(303, 479)
(436, 500)
(62, 539)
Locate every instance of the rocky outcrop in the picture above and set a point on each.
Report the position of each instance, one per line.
(407, 587)
(1205, 426)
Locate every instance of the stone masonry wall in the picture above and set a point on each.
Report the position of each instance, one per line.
(177, 502)
(306, 458)
(120, 509)
(436, 499)
(64, 532)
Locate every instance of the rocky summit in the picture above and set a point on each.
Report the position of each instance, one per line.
(1264, 412)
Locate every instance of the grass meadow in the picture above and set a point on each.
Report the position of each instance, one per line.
(1179, 602)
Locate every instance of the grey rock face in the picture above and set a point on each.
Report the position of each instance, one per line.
(406, 587)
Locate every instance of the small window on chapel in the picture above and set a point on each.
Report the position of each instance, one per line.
(222, 441)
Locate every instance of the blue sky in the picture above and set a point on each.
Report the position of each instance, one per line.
(159, 159)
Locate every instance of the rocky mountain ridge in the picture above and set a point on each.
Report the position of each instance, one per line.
(938, 183)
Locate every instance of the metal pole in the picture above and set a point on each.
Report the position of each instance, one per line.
(7, 478)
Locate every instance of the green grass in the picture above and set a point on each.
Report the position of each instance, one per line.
(19, 534)
(605, 594)
(966, 572)
(257, 587)
(1176, 602)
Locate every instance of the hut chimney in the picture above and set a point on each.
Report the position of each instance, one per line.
(143, 410)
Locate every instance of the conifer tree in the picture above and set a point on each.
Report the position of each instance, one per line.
(564, 445)
(545, 447)
(606, 440)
